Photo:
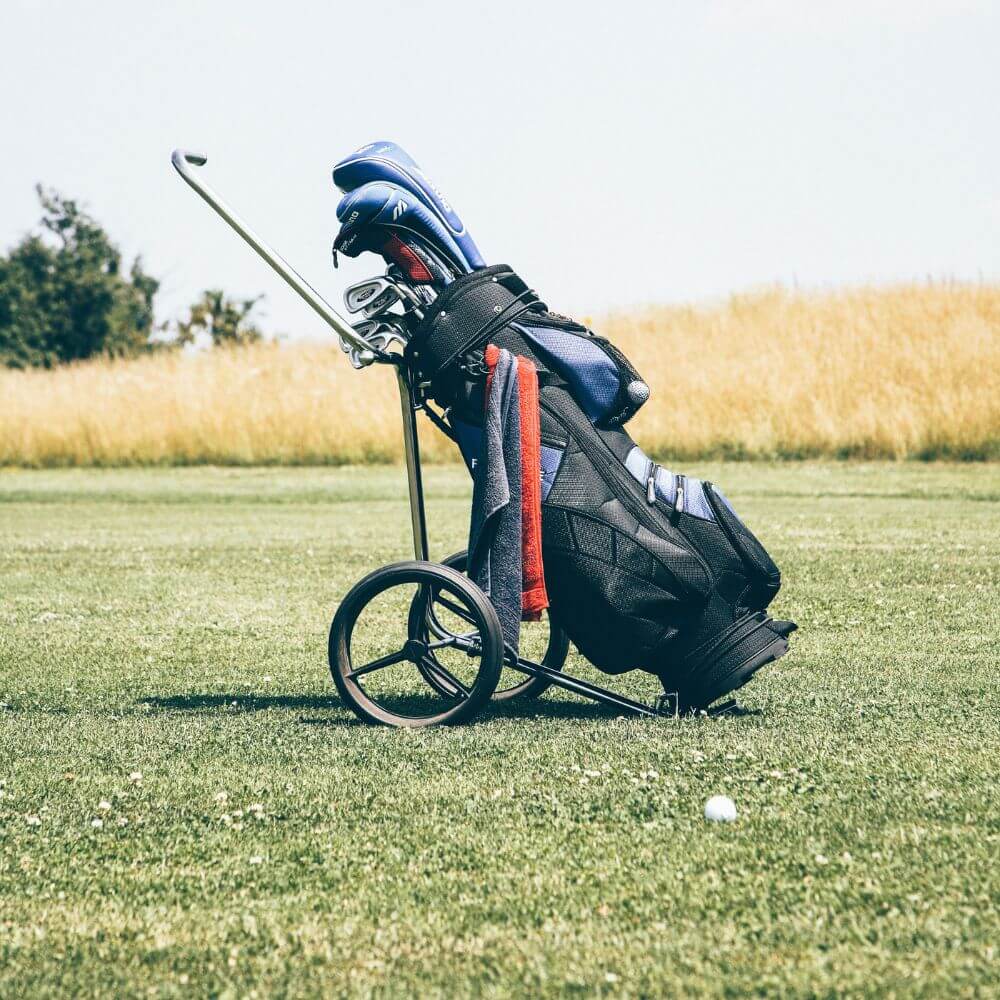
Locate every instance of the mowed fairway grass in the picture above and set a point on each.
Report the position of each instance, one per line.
(187, 809)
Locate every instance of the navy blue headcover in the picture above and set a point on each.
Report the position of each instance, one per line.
(385, 161)
(375, 212)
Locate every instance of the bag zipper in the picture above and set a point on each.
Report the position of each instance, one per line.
(624, 479)
(680, 482)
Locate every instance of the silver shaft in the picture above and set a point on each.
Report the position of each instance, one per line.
(411, 448)
(183, 162)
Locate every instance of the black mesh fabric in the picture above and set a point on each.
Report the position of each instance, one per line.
(594, 538)
(555, 528)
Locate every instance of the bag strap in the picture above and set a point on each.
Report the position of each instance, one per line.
(464, 316)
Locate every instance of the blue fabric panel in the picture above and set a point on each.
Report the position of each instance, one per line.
(551, 459)
(470, 442)
(695, 501)
(591, 375)
(637, 463)
(666, 485)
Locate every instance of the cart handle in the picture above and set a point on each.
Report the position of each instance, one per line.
(183, 161)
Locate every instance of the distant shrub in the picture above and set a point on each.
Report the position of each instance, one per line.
(218, 320)
(65, 294)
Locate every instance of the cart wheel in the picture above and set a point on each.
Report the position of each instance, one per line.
(380, 667)
(544, 642)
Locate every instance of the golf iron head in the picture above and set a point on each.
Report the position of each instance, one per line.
(381, 335)
(361, 293)
(375, 296)
(382, 302)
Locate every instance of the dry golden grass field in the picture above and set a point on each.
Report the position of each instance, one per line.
(903, 372)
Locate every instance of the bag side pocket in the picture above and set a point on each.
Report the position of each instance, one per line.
(759, 564)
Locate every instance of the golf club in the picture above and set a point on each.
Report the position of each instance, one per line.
(386, 161)
(382, 302)
(386, 219)
(379, 334)
(365, 294)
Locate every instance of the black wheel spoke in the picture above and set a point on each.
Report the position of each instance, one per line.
(430, 664)
(463, 642)
(455, 609)
(420, 691)
(379, 664)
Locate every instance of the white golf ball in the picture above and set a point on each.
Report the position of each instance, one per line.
(720, 809)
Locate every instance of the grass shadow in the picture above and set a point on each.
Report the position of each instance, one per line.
(414, 704)
(561, 709)
(549, 708)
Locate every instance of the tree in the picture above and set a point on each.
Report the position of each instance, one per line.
(225, 320)
(63, 295)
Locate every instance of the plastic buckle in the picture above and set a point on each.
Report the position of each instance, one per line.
(668, 705)
(475, 365)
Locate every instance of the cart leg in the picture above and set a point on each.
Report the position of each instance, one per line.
(411, 447)
(580, 687)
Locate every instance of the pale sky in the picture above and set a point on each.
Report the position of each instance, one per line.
(614, 153)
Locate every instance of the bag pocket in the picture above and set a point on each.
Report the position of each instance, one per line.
(617, 601)
(760, 565)
(599, 377)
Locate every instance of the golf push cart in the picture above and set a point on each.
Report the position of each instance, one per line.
(418, 643)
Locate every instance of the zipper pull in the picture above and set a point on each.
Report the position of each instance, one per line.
(651, 484)
(679, 502)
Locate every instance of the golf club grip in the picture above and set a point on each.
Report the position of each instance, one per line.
(183, 156)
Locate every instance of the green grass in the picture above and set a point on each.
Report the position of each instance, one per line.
(173, 623)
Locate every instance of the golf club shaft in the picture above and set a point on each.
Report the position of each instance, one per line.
(183, 162)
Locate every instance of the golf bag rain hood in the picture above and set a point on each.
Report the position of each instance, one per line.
(645, 568)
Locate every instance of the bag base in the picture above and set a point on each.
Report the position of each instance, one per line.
(727, 662)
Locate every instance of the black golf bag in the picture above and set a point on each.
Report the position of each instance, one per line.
(644, 568)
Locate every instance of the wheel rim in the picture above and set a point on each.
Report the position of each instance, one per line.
(383, 670)
(541, 642)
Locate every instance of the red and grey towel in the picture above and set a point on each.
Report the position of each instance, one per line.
(505, 535)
